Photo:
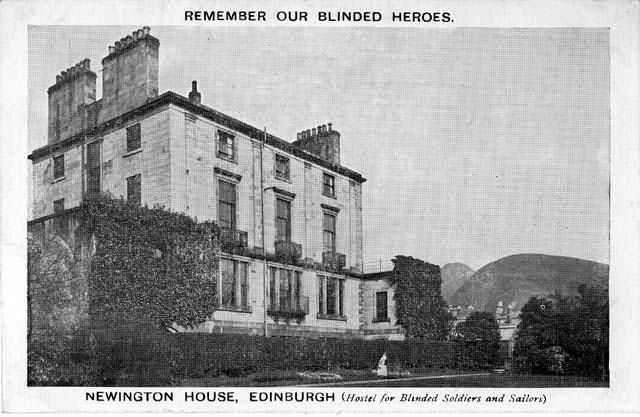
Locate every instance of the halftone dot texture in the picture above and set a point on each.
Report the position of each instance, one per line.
(476, 143)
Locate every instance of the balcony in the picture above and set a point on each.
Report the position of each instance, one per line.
(233, 241)
(334, 261)
(288, 252)
(296, 309)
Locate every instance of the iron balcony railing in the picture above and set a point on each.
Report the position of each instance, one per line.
(234, 238)
(296, 309)
(334, 260)
(288, 251)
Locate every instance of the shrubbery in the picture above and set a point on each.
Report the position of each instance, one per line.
(565, 335)
(478, 340)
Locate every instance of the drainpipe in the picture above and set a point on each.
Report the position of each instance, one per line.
(264, 247)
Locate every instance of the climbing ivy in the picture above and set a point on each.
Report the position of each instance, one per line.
(420, 308)
(150, 265)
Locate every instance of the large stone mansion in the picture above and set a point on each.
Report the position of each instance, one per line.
(290, 213)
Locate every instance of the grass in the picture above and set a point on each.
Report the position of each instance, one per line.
(286, 378)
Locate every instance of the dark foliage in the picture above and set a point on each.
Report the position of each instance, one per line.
(150, 264)
(420, 308)
(478, 340)
(565, 335)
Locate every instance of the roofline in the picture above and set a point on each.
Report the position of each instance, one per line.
(173, 98)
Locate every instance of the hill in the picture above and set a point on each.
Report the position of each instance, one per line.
(453, 276)
(514, 279)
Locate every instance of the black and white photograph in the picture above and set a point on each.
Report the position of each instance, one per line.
(297, 206)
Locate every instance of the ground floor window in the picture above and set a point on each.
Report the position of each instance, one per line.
(234, 287)
(284, 289)
(381, 306)
(330, 296)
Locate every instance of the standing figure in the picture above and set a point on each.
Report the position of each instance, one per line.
(382, 368)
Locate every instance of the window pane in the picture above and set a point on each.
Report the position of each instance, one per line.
(228, 282)
(321, 287)
(331, 296)
(283, 220)
(381, 305)
(282, 166)
(244, 288)
(341, 297)
(133, 138)
(272, 289)
(134, 189)
(227, 204)
(285, 290)
(225, 144)
(58, 167)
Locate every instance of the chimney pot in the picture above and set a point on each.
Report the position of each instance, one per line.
(63, 74)
(308, 132)
(324, 128)
(145, 30)
(134, 34)
(58, 78)
(194, 86)
(112, 49)
(330, 125)
(298, 136)
(140, 34)
(313, 131)
(118, 44)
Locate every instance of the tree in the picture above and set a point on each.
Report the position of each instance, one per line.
(478, 338)
(565, 335)
(420, 308)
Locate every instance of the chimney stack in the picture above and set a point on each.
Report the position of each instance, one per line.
(321, 141)
(194, 95)
(73, 91)
(129, 73)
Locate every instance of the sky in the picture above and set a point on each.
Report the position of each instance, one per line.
(476, 143)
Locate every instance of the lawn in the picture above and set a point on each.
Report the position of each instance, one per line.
(442, 379)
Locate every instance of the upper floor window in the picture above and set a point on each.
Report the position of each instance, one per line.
(330, 296)
(58, 167)
(328, 185)
(226, 145)
(329, 232)
(93, 167)
(226, 204)
(283, 220)
(381, 306)
(134, 189)
(134, 141)
(282, 167)
(235, 288)
(58, 206)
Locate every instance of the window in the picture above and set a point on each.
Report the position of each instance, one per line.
(134, 194)
(234, 288)
(381, 306)
(330, 296)
(60, 221)
(93, 167)
(226, 145)
(282, 167)
(283, 220)
(58, 167)
(284, 290)
(226, 204)
(328, 185)
(329, 232)
(133, 138)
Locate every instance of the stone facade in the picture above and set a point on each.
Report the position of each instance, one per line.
(171, 146)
